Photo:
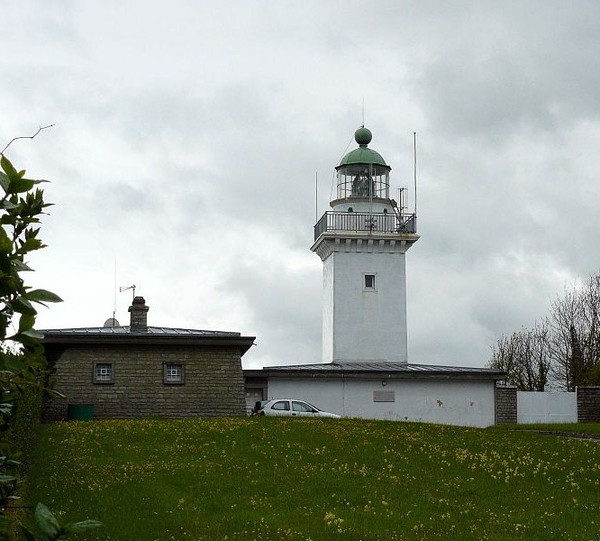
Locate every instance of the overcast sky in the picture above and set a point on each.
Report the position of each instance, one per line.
(188, 134)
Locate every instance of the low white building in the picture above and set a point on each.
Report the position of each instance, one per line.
(392, 391)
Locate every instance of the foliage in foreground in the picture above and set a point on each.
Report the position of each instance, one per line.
(22, 364)
(51, 526)
(270, 478)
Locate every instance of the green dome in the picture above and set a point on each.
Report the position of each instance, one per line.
(363, 155)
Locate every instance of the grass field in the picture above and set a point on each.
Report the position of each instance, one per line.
(276, 478)
(572, 428)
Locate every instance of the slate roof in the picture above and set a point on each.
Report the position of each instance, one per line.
(379, 369)
(147, 336)
(170, 331)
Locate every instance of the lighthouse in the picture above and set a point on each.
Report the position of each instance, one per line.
(363, 242)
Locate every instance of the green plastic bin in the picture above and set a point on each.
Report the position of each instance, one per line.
(80, 412)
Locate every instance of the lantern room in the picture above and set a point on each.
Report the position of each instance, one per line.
(362, 173)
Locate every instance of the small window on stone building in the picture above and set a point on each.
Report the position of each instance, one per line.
(173, 374)
(103, 373)
(370, 282)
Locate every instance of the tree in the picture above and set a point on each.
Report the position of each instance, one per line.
(563, 350)
(525, 356)
(575, 325)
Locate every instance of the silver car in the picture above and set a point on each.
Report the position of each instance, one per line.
(290, 407)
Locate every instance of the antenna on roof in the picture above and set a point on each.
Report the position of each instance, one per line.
(363, 112)
(316, 196)
(415, 166)
(125, 288)
(114, 316)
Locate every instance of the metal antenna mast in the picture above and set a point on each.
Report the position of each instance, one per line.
(115, 291)
(415, 166)
(316, 196)
(363, 112)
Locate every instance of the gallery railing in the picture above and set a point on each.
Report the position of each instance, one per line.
(365, 222)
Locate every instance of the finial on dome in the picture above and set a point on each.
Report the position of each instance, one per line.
(363, 136)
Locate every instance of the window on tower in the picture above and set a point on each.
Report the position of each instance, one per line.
(370, 281)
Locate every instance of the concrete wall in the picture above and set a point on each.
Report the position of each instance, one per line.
(213, 383)
(546, 407)
(465, 403)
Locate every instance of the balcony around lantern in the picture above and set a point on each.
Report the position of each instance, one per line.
(364, 222)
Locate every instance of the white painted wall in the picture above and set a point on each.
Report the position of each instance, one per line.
(360, 324)
(363, 205)
(463, 403)
(546, 407)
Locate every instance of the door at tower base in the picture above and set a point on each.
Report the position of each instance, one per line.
(453, 402)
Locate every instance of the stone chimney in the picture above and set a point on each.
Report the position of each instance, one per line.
(139, 314)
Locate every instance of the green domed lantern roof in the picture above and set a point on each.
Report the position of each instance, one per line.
(363, 155)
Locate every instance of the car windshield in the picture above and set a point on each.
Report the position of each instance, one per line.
(311, 406)
(302, 407)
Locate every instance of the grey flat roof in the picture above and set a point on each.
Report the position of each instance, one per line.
(122, 330)
(378, 369)
(149, 336)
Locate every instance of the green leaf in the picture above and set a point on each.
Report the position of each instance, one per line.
(29, 245)
(8, 168)
(8, 205)
(25, 338)
(20, 185)
(5, 242)
(42, 295)
(6, 408)
(20, 266)
(77, 527)
(4, 181)
(47, 522)
(26, 322)
(27, 533)
(32, 333)
(7, 478)
(23, 306)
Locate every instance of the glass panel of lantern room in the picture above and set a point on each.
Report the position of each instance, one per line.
(344, 185)
(381, 180)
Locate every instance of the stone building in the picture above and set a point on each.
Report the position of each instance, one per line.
(142, 371)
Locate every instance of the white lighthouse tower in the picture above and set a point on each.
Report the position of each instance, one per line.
(362, 242)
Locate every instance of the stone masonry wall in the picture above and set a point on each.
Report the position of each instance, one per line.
(213, 382)
(588, 404)
(506, 404)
